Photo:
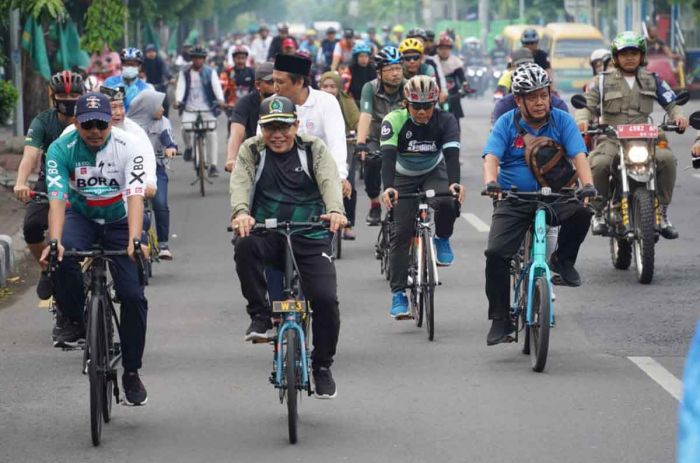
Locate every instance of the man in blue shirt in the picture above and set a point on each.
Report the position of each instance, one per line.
(505, 149)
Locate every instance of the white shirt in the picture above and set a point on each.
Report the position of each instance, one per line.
(197, 100)
(630, 81)
(259, 48)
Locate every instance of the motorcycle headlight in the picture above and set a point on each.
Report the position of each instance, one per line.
(638, 153)
(496, 74)
(479, 73)
(471, 73)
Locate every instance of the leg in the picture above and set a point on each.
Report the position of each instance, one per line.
(351, 202)
(600, 159)
(36, 222)
(574, 220)
(212, 143)
(251, 255)
(446, 212)
(161, 210)
(373, 185)
(401, 233)
(666, 165)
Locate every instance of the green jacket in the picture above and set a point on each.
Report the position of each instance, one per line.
(325, 172)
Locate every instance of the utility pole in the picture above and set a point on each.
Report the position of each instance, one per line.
(16, 60)
(484, 21)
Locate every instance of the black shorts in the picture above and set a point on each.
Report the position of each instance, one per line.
(36, 218)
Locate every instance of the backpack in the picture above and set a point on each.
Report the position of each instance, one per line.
(307, 162)
(547, 160)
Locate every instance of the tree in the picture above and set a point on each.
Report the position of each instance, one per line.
(104, 25)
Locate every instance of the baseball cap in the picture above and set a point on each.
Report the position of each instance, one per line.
(93, 106)
(331, 30)
(288, 42)
(348, 33)
(263, 71)
(277, 109)
(151, 47)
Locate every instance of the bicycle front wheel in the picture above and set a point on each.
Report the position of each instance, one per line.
(539, 330)
(291, 380)
(96, 367)
(428, 287)
(416, 295)
(202, 165)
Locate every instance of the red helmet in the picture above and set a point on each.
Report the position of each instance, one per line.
(239, 50)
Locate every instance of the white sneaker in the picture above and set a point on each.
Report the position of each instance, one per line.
(165, 254)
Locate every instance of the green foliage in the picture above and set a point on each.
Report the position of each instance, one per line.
(36, 8)
(8, 99)
(104, 25)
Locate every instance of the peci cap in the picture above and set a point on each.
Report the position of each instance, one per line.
(293, 64)
(277, 109)
(263, 71)
(93, 106)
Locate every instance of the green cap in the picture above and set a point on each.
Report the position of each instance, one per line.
(277, 109)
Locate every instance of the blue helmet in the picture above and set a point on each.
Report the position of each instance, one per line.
(361, 47)
(387, 56)
(131, 54)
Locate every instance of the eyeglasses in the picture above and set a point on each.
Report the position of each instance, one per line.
(418, 106)
(281, 128)
(89, 125)
(412, 57)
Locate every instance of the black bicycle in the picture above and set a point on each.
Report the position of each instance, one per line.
(383, 244)
(102, 353)
(200, 127)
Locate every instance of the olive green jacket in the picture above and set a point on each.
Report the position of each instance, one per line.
(622, 104)
(325, 171)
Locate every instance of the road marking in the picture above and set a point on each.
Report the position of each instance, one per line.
(661, 375)
(476, 222)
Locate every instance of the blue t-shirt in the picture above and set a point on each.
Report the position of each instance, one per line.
(502, 140)
(507, 103)
(137, 85)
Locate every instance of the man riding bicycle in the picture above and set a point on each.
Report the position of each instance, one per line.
(505, 167)
(99, 171)
(132, 59)
(420, 150)
(282, 175)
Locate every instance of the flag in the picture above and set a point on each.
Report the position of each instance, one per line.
(70, 53)
(33, 42)
(150, 35)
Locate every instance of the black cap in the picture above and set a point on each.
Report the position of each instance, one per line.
(293, 64)
(263, 71)
(348, 33)
(93, 106)
(331, 30)
(277, 109)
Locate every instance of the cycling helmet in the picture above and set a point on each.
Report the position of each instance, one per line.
(198, 51)
(421, 89)
(417, 33)
(430, 35)
(67, 82)
(626, 40)
(239, 50)
(348, 33)
(529, 36)
(361, 47)
(387, 56)
(445, 41)
(117, 93)
(411, 45)
(529, 77)
(131, 54)
(398, 29)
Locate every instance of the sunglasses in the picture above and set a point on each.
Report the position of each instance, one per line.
(411, 57)
(89, 125)
(418, 106)
(281, 128)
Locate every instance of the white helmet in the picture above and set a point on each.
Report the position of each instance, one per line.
(600, 54)
(529, 77)
(421, 89)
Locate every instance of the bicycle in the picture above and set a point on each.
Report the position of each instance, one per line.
(101, 353)
(200, 127)
(291, 319)
(383, 244)
(151, 240)
(532, 305)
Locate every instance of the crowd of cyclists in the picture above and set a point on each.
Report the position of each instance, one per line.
(304, 116)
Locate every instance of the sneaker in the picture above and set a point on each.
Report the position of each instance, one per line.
(374, 216)
(59, 324)
(69, 334)
(187, 155)
(259, 326)
(399, 305)
(348, 234)
(164, 253)
(134, 390)
(443, 252)
(563, 272)
(324, 385)
(668, 231)
(44, 289)
(500, 332)
(213, 171)
(598, 225)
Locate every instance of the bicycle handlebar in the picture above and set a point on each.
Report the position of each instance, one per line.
(427, 194)
(537, 196)
(274, 224)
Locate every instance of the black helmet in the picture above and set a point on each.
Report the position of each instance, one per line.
(430, 34)
(198, 51)
(117, 93)
(530, 35)
(67, 82)
(417, 32)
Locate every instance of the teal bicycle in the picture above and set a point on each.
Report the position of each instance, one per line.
(532, 306)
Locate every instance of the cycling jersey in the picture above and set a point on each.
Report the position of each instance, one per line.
(44, 129)
(96, 184)
(419, 147)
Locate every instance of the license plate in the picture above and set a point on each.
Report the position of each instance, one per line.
(637, 131)
(288, 306)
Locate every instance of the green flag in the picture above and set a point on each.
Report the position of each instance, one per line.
(33, 43)
(172, 41)
(150, 36)
(72, 55)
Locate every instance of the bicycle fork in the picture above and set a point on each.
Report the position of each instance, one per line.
(539, 264)
(291, 323)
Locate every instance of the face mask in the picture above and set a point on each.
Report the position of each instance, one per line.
(130, 72)
(66, 107)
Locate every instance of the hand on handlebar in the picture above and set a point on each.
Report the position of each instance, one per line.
(346, 188)
(228, 167)
(586, 193)
(390, 197)
(695, 150)
(170, 152)
(458, 190)
(44, 259)
(682, 123)
(493, 189)
(23, 192)
(336, 221)
(242, 224)
(582, 126)
(361, 149)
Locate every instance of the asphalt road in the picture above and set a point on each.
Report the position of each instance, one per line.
(401, 397)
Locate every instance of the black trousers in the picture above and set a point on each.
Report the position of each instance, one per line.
(350, 203)
(36, 218)
(509, 224)
(446, 212)
(373, 172)
(317, 271)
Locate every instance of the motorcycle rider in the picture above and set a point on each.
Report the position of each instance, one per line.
(530, 39)
(628, 97)
(600, 62)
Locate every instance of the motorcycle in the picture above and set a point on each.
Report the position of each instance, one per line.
(632, 213)
(478, 77)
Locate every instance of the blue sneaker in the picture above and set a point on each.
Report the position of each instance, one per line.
(443, 251)
(399, 305)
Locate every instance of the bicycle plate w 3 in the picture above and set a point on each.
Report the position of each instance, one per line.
(282, 307)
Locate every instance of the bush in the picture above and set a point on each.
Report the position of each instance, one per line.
(8, 99)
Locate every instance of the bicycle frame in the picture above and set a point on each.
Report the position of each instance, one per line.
(424, 224)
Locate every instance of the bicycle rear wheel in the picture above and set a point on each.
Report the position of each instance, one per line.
(202, 165)
(291, 379)
(110, 375)
(415, 294)
(428, 286)
(539, 331)
(96, 347)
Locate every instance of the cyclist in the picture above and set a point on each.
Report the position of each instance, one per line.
(420, 150)
(284, 175)
(504, 167)
(628, 97)
(199, 89)
(131, 59)
(240, 73)
(379, 97)
(106, 206)
(276, 44)
(518, 57)
(260, 45)
(362, 70)
(453, 68)
(64, 89)
(530, 39)
(343, 51)
(430, 47)
(411, 50)
(325, 52)
(432, 61)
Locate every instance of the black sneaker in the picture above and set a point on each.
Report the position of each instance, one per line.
(563, 272)
(134, 390)
(374, 217)
(213, 171)
(500, 332)
(257, 331)
(187, 155)
(44, 289)
(324, 386)
(69, 334)
(59, 324)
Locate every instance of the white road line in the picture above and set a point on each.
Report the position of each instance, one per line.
(476, 222)
(661, 375)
